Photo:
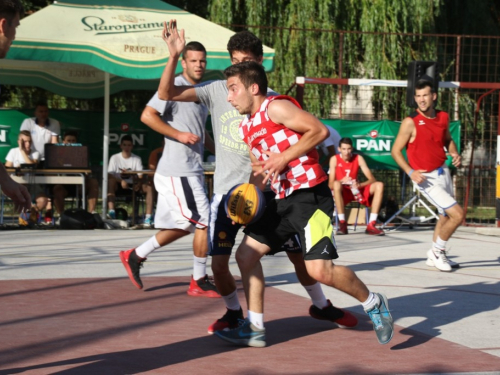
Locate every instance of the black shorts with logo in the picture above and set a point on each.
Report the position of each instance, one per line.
(306, 212)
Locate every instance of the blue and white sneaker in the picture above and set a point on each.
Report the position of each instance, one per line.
(382, 320)
(112, 214)
(245, 334)
(148, 222)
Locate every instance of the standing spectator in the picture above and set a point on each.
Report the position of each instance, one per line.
(10, 13)
(42, 128)
(119, 182)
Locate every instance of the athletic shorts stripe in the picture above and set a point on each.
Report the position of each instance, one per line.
(191, 202)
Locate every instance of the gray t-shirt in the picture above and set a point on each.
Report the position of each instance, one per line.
(232, 162)
(178, 159)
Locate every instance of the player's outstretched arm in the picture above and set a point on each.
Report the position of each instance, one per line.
(167, 90)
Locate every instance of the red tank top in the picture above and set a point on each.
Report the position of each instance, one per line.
(347, 168)
(262, 134)
(427, 151)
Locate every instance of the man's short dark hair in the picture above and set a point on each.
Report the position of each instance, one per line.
(423, 83)
(71, 133)
(9, 9)
(249, 73)
(245, 41)
(193, 46)
(126, 138)
(346, 141)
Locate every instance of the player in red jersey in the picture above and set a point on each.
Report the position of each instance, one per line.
(282, 138)
(343, 181)
(426, 136)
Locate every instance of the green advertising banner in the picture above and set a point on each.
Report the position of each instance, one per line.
(374, 139)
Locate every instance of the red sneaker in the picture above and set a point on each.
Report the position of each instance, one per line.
(342, 227)
(373, 231)
(203, 287)
(132, 264)
(229, 320)
(342, 318)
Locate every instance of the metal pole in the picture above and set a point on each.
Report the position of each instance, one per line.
(105, 154)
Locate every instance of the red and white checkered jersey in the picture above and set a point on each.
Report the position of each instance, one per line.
(260, 133)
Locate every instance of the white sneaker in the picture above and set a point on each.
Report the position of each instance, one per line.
(452, 264)
(439, 261)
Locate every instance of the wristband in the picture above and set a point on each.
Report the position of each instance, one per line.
(410, 172)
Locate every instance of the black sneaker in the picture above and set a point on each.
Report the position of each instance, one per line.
(228, 321)
(132, 264)
(342, 318)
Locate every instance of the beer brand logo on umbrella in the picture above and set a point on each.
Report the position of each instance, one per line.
(128, 18)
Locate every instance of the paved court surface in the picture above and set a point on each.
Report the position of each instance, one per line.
(68, 308)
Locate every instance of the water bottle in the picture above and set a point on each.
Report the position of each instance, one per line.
(357, 195)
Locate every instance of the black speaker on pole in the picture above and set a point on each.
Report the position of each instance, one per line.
(421, 70)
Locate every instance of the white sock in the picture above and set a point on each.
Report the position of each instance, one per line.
(371, 302)
(231, 300)
(341, 217)
(317, 296)
(147, 247)
(439, 244)
(148, 216)
(373, 217)
(256, 319)
(199, 267)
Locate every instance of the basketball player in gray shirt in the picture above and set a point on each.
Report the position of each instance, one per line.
(233, 167)
(182, 206)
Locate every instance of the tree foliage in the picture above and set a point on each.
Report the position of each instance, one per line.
(322, 38)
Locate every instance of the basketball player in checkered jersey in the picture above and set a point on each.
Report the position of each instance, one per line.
(232, 168)
(426, 135)
(282, 138)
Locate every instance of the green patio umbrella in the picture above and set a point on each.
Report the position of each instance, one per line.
(76, 47)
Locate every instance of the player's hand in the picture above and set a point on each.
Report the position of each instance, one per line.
(273, 165)
(417, 176)
(456, 160)
(188, 138)
(18, 193)
(173, 37)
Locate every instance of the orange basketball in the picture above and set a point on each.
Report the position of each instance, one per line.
(245, 203)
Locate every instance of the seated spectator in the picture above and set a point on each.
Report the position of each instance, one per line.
(62, 191)
(42, 128)
(343, 182)
(23, 154)
(328, 148)
(119, 182)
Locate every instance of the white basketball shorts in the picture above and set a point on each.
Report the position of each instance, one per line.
(182, 203)
(438, 189)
